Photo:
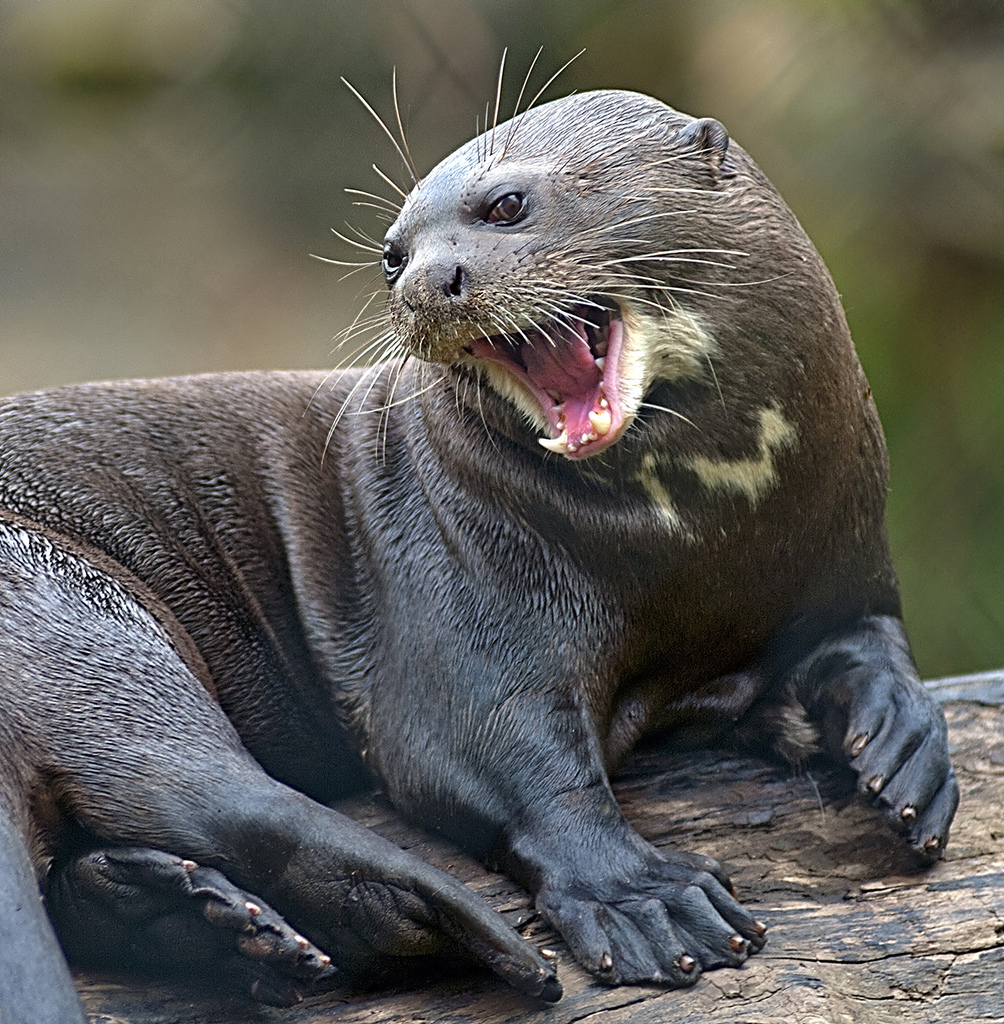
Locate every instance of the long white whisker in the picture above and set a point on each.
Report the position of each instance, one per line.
(380, 121)
(390, 181)
(672, 412)
(498, 100)
(412, 169)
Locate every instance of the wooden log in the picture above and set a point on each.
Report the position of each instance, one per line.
(857, 933)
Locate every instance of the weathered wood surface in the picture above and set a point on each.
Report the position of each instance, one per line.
(856, 933)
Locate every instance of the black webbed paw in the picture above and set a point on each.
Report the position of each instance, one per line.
(875, 711)
(149, 909)
(664, 921)
(896, 741)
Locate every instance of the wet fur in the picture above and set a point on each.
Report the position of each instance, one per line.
(214, 601)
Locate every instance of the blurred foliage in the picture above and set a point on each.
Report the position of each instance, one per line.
(166, 164)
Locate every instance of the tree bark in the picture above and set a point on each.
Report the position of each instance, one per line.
(857, 933)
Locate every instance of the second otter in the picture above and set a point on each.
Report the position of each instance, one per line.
(634, 482)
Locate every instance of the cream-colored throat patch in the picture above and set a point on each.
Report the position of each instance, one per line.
(754, 476)
(658, 495)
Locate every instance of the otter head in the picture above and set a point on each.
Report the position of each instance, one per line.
(541, 256)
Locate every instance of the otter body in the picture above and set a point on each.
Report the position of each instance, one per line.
(633, 483)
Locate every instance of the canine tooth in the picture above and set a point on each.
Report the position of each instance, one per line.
(600, 421)
(559, 445)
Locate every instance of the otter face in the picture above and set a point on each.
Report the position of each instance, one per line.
(529, 260)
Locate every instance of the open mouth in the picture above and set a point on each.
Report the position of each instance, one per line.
(571, 368)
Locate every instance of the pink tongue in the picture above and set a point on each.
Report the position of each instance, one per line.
(566, 367)
(568, 384)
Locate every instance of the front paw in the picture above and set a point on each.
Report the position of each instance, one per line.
(861, 687)
(896, 741)
(662, 921)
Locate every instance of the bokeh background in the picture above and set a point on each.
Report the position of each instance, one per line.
(168, 166)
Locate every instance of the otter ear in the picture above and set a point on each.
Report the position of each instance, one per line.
(706, 138)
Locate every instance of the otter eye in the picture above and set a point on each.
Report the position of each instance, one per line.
(393, 261)
(507, 210)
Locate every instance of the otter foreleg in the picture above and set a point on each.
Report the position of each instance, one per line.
(632, 914)
(536, 801)
(861, 690)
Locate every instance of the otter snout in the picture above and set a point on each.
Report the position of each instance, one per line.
(431, 305)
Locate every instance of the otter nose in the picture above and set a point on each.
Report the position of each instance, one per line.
(454, 288)
(435, 282)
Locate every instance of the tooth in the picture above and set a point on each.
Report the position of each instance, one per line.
(559, 445)
(603, 403)
(601, 362)
(601, 347)
(600, 421)
(555, 396)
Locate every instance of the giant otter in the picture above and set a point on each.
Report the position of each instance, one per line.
(625, 476)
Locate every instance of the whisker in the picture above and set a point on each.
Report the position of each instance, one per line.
(718, 387)
(345, 263)
(672, 412)
(380, 121)
(388, 204)
(383, 426)
(412, 169)
(342, 408)
(544, 87)
(408, 398)
(389, 181)
(526, 80)
(359, 245)
(366, 238)
(484, 421)
(498, 100)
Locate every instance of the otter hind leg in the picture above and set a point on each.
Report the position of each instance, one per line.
(126, 744)
(860, 694)
(148, 909)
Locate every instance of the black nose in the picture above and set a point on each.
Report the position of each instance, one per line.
(455, 286)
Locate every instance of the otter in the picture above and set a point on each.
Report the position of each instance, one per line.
(620, 475)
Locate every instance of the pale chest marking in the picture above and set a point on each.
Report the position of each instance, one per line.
(754, 476)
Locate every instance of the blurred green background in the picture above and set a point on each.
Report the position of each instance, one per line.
(167, 167)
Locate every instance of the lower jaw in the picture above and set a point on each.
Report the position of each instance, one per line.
(513, 403)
